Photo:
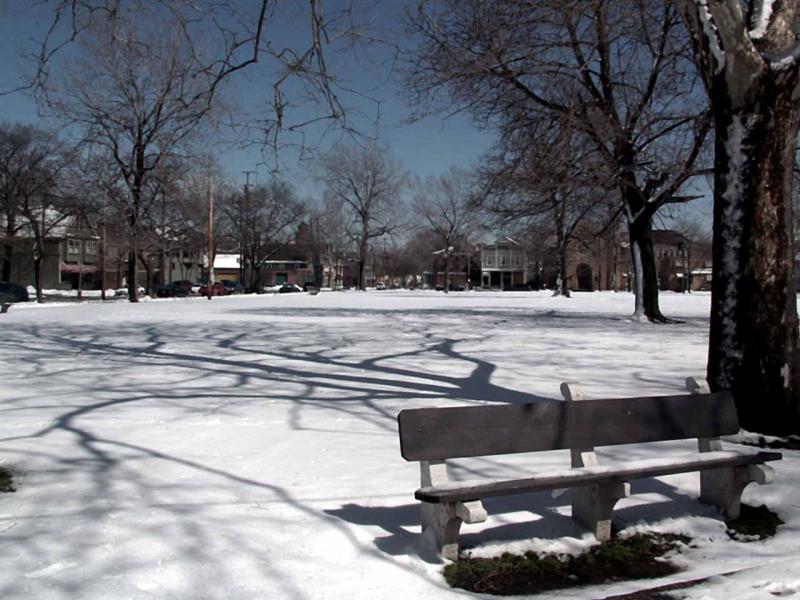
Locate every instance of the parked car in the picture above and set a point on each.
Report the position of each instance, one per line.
(124, 291)
(233, 287)
(288, 288)
(186, 285)
(169, 290)
(217, 289)
(11, 292)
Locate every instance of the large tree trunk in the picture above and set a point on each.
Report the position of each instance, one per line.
(754, 326)
(645, 273)
(639, 217)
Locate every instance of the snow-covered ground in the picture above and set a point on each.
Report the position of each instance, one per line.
(247, 447)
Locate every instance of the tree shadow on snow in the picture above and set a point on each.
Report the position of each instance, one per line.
(538, 515)
(90, 374)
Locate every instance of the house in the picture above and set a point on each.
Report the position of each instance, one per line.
(459, 270)
(596, 262)
(604, 262)
(227, 267)
(279, 272)
(503, 265)
(683, 264)
(71, 257)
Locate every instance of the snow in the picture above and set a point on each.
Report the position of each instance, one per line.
(246, 447)
(733, 218)
(761, 17)
(226, 261)
(712, 35)
(674, 459)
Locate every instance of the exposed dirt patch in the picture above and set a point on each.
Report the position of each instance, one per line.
(636, 557)
(6, 481)
(754, 523)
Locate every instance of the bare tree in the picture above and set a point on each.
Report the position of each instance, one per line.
(366, 182)
(14, 164)
(617, 69)
(749, 57)
(137, 92)
(38, 190)
(333, 241)
(142, 77)
(259, 220)
(550, 179)
(447, 206)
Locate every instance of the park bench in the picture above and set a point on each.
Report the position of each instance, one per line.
(434, 435)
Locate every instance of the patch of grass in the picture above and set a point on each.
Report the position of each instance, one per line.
(754, 523)
(6, 481)
(634, 557)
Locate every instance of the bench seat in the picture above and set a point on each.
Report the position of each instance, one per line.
(462, 491)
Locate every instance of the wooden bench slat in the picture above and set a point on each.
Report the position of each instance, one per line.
(463, 491)
(442, 433)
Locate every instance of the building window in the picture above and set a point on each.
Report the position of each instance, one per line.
(488, 261)
(92, 247)
(502, 261)
(73, 248)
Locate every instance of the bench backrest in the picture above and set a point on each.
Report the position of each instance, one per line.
(441, 433)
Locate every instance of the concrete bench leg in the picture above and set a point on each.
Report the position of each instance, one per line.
(441, 524)
(723, 487)
(593, 506)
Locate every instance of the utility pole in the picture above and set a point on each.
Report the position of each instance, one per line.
(242, 237)
(247, 179)
(103, 251)
(210, 284)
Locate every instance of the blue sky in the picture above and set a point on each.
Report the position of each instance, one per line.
(429, 146)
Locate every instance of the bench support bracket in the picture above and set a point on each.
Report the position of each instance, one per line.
(441, 523)
(593, 506)
(723, 487)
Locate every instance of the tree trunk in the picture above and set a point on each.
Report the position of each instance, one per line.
(446, 272)
(639, 217)
(8, 247)
(645, 272)
(754, 326)
(38, 274)
(148, 274)
(362, 258)
(136, 200)
(8, 251)
(562, 284)
(131, 273)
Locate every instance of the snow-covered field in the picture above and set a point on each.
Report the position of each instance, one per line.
(247, 447)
